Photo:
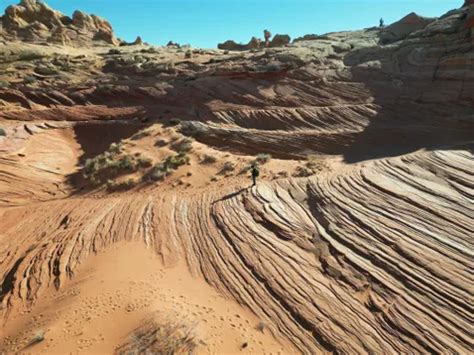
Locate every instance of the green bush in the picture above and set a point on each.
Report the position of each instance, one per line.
(228, 166)
(145, 162)
(90, 167)
(126, 163)
(263, 158)
(208, 159)
(141, 134)
(29, 80)
(161, 143)
(184, 145)
(124, 185)
(115, 148)
(303, 171)
(175, 161)
(2, 132)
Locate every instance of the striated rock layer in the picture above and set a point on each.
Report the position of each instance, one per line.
(376, 258)
(373, 255)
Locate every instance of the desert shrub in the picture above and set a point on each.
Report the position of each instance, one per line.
(91, 166)
(161, 337)
(4, 84)
(228, 166)
(245, 169)
(115, 148)
(161, 143)
(261, 326)
(315, 163)
(141, 134)
(37, 338)
(126, 163)
(2, 132)
(114, 51)
(144, 162)
(123, 185)
(108, 165)
(303, 171)
(184, 145)
(159, 172)
(263, 158)
(175, 161)
(173, 122)
(208, 159)
(29, 80)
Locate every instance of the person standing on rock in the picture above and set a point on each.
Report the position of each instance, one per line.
(267, 35)
(255, 173)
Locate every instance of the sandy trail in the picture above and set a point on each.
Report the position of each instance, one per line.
(114, 291)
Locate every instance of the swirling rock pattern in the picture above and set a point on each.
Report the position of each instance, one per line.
(374, 256)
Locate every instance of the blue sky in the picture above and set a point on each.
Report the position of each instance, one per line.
(204, 23)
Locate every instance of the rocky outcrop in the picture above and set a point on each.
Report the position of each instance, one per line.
(230, 45)
(403, 28)
(255, 43)
(308, 37)
(280, 40)
(138, 41)
(470, 17)
(35, 21)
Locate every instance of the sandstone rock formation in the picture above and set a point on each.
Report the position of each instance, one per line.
(308, 37)
(402, 28)
(255, 43)
(357, 238)
(470, 17)
(280, 40)
(35, 21)
(138, 41)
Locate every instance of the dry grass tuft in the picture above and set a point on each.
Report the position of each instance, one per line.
(155, 337)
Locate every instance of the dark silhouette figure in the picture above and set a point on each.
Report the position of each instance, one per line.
(267, 35)
(255, 174)
(382, 22)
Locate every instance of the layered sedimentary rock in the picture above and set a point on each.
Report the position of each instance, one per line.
(371, 256)
(401, 29)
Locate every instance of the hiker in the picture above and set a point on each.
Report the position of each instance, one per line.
(267, 35)
(382, 23)
(255, 174)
